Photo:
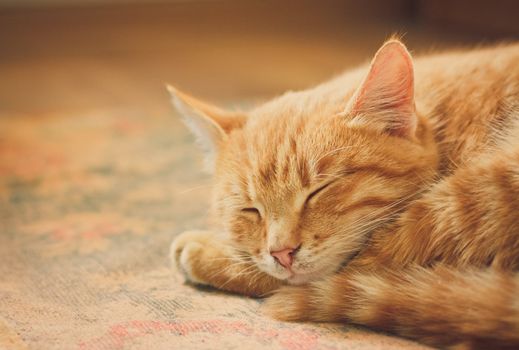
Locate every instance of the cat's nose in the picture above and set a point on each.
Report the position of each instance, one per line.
(284, 257)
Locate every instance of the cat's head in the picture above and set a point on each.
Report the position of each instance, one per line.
(302, 181)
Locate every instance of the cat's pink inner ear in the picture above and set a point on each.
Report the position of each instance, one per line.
(387, 93)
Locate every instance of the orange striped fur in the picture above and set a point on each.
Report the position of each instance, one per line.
(395, 186)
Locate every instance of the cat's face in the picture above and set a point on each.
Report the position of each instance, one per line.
(311, 182)
(302, 182)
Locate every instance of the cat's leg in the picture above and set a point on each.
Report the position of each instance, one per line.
(205, 259)
(439, 306)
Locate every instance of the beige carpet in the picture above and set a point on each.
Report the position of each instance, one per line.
(88, 208)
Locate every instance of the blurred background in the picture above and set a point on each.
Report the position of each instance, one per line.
(68, 56)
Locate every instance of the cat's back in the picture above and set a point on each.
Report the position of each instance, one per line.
(467, 73)
(470, 97)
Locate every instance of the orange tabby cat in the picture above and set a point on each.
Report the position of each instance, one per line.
(386, 197)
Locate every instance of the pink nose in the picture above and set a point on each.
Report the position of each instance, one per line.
(284, 256)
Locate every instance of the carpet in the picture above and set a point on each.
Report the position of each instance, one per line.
(88, 207)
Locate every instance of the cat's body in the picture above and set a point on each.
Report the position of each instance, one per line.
(385, 198)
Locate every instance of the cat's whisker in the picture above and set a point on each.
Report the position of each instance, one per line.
(255, 277)
(366, 224)
(232, 262)
(191, 189)
(225, 270)
(241, 273)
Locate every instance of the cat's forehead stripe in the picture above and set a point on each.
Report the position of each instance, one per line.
(275, 155)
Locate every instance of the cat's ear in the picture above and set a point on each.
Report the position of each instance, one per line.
(210, 124)
(386, 96)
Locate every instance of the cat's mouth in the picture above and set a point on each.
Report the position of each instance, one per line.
(295, 277)
(302, 272)
(301, 277)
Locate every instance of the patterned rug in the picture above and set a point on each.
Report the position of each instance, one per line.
(88, 207)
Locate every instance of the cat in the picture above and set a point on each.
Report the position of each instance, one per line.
(387, 197)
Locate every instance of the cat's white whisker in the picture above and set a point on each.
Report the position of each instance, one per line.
(191, 189)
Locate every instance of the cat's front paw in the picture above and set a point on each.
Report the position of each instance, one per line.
(186, 252)
(204, 257)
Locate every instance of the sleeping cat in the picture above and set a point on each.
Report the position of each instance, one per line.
(387, 197)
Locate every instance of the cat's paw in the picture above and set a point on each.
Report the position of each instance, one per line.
(289, 303)
(203, 257)
(186, 251)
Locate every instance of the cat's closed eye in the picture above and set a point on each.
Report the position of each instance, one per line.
(311, 197)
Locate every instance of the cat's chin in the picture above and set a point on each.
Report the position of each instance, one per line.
(297, 278)
(301, 278)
